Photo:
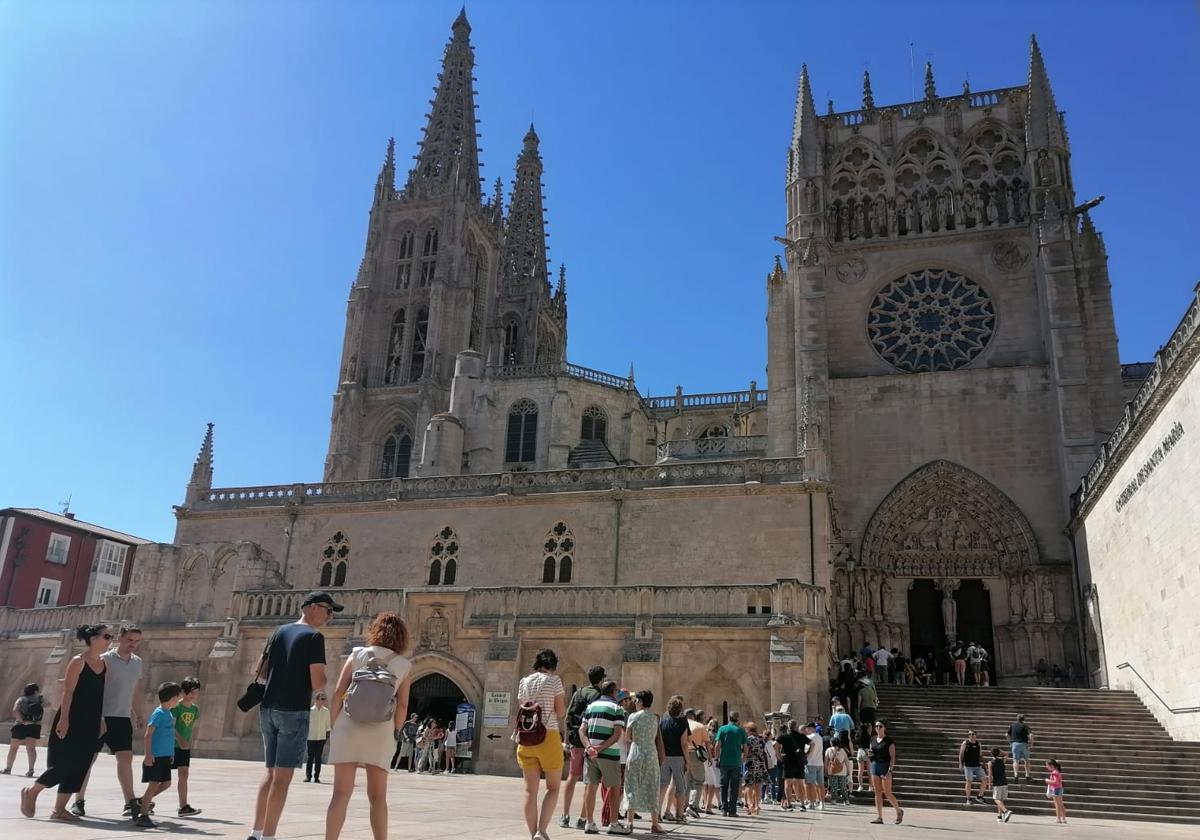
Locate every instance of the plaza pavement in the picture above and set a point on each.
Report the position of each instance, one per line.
(488, 808)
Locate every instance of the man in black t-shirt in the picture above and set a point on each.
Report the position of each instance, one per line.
(293, 665)
(793, 744)
(1020, 739)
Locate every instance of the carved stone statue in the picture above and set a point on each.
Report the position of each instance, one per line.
(910, 216)
(860, 219)
(942, 219)
(949, 611)
(436, 633)
(1045, 169)
(1000, 195)
(993, 214)
(810, 196)
(970, 205)
(859, 598)
(1014, 599)
(844, 222)
(926, 218)
(873, 597)
(1047, 598)
(1028, 597)
(885, 596)
(881, 216)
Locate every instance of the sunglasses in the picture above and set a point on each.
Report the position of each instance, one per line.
(108, 637)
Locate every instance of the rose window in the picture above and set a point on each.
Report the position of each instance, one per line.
(931, 320)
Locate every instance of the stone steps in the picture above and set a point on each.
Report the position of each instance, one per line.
(1118, 761)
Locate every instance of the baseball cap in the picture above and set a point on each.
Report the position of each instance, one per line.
(622, 694)
(324, 599)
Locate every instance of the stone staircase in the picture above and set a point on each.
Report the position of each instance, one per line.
(1118, 762)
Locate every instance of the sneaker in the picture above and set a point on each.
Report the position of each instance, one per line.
(695, 811)
(619, 828)
(188, 811)
(5, 772)
(564, 821)
(580, 824)
(1007, 816)
(668, 816)
(591, 828)
(77, 808)
(877, 821)
(143, 821)
(999, 818)
(969, 801)
(541, 835)
(978, 800)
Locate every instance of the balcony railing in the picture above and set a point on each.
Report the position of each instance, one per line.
(625, 383)
(746, 446)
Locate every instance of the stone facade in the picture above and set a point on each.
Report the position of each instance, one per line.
(1134, 529)
(942, 366)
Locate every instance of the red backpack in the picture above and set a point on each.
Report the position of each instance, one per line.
(531, 730)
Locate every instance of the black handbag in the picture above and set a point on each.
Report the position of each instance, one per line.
(253, 695)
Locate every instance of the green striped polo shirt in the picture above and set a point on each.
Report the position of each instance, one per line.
(603, 717)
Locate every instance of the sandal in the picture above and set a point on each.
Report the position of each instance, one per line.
(877, 821)
(28, 803)
(899, 816)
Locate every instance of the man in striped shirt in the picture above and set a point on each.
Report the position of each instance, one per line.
(603, 724)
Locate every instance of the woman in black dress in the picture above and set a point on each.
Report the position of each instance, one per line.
(78, 725)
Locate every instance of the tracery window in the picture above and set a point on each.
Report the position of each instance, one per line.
(335, 560)
(511, 352)
(993, 190)
(443, 558)
(416, 367)
(925, 197)
(397, 452)
(478, 299)
(594, 425)
(931, 320)
(520, 442)
(858, 185)
(404, 255)
(395, 350)
(429, 256)
(558, 551)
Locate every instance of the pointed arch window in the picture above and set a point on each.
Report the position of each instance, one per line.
(395, 349)
(511, 352)
(429, 256)
(594, 425)
(520, 443)
(397, 452)
(420, 333)
(557, 553)
(335, 560)
(443, 558)
(404, 257)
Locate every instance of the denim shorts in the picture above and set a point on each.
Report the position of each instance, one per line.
(973, 773)
(285, 738)
(814, 774)
(1020, 751)
(878, 768)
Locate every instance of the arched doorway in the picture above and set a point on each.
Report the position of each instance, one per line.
(974, 618)
(435, 695)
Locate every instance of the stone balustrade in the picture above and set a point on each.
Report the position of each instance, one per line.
(598, 604)
(114, 610)
(910, 110)
(684, 449)
(720, 399)
(635, 477)
(624, 383)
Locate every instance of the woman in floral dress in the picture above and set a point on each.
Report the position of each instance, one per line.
(756, 769)
(645, 755)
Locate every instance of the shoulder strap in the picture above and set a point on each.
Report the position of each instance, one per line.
(266, 654)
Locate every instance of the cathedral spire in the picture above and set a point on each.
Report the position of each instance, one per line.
(930, 87)
(805, 131)
(868, 97)
(385, 184)
(202, 469)
(560, 294)
(449, 155)
(523, 262)
(1043, 124)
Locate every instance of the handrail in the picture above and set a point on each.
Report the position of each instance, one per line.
(1186, 710)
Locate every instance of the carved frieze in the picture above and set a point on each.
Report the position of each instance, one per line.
(1010, 255)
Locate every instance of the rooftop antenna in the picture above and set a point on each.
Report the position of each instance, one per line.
(65, 505)
(912, 73)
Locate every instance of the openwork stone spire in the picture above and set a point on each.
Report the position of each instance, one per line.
(202, 470)
(930, 87)
(805, 131)
(868, 97)
(449, 156)
(1043, 124)
(385, 184)
(524, 258)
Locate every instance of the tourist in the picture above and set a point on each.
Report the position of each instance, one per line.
(970, 764)
(603, 725)
(697, 755)
(756, 774)
(1020, 739)
(999, 784)
(945, 663)
(450, 747)
(27, 711)
(1054, 790)
(612, 799)
(1042, 670)
(921, 674)
(883, 765)
(580, 700)
(712, 769)
(975, 657)
(960, 663)
(841, 724)
(293, 663)
(862, 742)
(791, 745)
(673, 770)
(731, 751)
(320, 721)
(883, 659)
(123, 671)
(77, 726)
(845, 685)
(1056, 675)
(431, 746)
(187, 720)
(774, 765)
(646, 753)
(158, 750)
(544, 689)
(814, 767)
(837, 770)
(406, 744)
(369, 703)
(868, 700)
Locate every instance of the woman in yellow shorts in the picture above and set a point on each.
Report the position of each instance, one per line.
(545, 689)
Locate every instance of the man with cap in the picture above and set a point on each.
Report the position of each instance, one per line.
(293, 667)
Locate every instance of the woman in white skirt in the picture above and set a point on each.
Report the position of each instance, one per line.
(368, 744)
(712, 774)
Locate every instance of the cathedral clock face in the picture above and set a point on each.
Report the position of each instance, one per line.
(931, 320)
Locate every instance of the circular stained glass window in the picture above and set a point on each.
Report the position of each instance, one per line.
(931, 320)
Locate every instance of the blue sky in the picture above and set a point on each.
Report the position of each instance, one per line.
(184, 189)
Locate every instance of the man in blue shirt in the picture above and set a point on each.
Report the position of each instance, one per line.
(841, 724)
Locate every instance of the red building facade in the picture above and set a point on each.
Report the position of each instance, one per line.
(55, 560)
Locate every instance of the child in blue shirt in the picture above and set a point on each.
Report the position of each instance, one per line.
(160, 751)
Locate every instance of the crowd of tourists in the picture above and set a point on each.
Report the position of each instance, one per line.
(635, 763)
(957, 663)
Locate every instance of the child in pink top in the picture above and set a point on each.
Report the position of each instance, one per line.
(1054, 790)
